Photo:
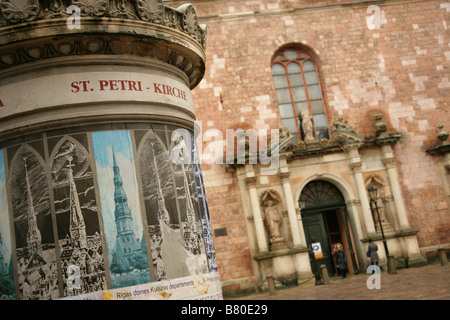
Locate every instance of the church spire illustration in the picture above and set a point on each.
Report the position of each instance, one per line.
(77, 225)
(34, 239)
(180, 156)
(125, 240)
(163, 215)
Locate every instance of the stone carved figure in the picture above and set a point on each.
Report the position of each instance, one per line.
(272, 219)
(307, 125)
(342, 125)
(380, 126)
(284, 134)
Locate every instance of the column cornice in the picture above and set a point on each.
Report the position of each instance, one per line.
(284, 176)
(250, 181)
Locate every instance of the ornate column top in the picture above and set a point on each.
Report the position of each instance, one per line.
(444, 147)
(284, 176)
(34, 30)
(250, 181)
(384, 138)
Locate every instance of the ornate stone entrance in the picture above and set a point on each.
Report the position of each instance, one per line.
(325, 221)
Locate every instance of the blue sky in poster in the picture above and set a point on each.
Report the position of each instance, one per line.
(2, 168)
(104, 142)
(5, 250)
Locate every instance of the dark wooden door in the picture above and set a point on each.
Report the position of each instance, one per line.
(315, 231)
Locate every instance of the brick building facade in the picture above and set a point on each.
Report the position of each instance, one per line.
(390, 59)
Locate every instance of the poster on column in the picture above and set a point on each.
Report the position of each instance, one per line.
(121, 212)
(77, 217)
(203, 208)
(7, 290)
(85, 216)
(33, 227)
(171, 204)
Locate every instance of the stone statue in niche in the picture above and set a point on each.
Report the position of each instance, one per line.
(377, 183)
(307, 125)
(272, 219)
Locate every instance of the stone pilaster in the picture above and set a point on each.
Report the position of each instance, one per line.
(250, 180)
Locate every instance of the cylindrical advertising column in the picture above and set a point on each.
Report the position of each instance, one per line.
(101, 193)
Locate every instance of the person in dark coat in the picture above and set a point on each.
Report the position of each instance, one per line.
(373, 254)
(341, 260)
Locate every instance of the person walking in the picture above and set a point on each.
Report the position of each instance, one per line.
(341, 260)
(373, 254)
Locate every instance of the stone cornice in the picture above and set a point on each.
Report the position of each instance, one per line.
(444, 147)
(36, 30)
(295, 9)
(391, 139)
(439, 150)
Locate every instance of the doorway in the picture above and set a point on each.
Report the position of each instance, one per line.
(325, 221)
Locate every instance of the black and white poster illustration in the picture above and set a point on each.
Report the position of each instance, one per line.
(7, 289)
(171, 206)
(77, 216)
(181, 160)
(87, 213)
(35, 244)
(203, 208)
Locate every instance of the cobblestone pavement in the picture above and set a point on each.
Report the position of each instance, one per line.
(431, 282)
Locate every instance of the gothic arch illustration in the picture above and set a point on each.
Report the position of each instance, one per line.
(161, 205)
(158, 185)
(77, 215)
(171, 203)
(33, 227)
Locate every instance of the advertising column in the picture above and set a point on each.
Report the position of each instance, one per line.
(101, 196)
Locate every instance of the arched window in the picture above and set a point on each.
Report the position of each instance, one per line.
(298, 87)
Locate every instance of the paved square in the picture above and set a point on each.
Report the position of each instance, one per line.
(431, 282)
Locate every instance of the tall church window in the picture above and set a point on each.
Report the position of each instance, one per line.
(297, 83)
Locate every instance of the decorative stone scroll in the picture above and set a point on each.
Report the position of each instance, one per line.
(17, 11)
(92, 7)
(151, 10)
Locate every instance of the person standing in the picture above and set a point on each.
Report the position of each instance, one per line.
(373, 254)
(341, 260)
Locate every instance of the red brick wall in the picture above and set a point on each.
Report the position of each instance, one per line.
(401, 69)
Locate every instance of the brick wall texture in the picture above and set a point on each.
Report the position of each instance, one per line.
(401, 69)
